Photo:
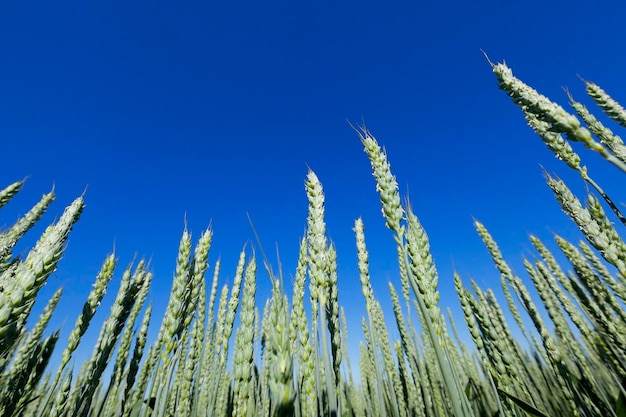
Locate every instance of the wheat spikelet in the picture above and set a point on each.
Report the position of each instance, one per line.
(279, 362)
(558, 120)
(557, 275)
(618, 286)
(332, 310)
(15, 379)
(244, 345)
(89, 309)
(300, 338)
(191, 362)
(394, 392)
(387, 188)
(198, 269)
(123, 351)
(109, 334)
(316, 237)
(211, 303)
(11, 237)
(9, 192)
(138, 350)
(368, 294)
(600, 235)
(370, 374)
(173, 321)
(424, 274)
(25, 280)
(545, 116)
(611, 107)
(606, 136)
(407, 342)
(42, 355)
(386, 183)
(60, 401)
(233, 303)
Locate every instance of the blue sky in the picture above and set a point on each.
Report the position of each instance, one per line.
(207, 111)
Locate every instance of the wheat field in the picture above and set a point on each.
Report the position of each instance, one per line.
(218, 353)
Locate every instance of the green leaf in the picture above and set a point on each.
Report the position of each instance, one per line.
(522, 404)
(620, 405)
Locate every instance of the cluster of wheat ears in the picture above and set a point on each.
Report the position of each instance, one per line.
(286, 361)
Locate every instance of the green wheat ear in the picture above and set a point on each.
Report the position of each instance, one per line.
(10, 191)
(611, 107)
(414, 258)
(243, 361)
(10, 238)
(23, 280)
(89, 309)
(279, 359)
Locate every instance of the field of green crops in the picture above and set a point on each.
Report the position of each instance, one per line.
(282, 360)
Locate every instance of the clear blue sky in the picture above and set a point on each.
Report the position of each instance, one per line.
(209, 110)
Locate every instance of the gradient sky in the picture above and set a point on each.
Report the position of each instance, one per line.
(206, 111)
